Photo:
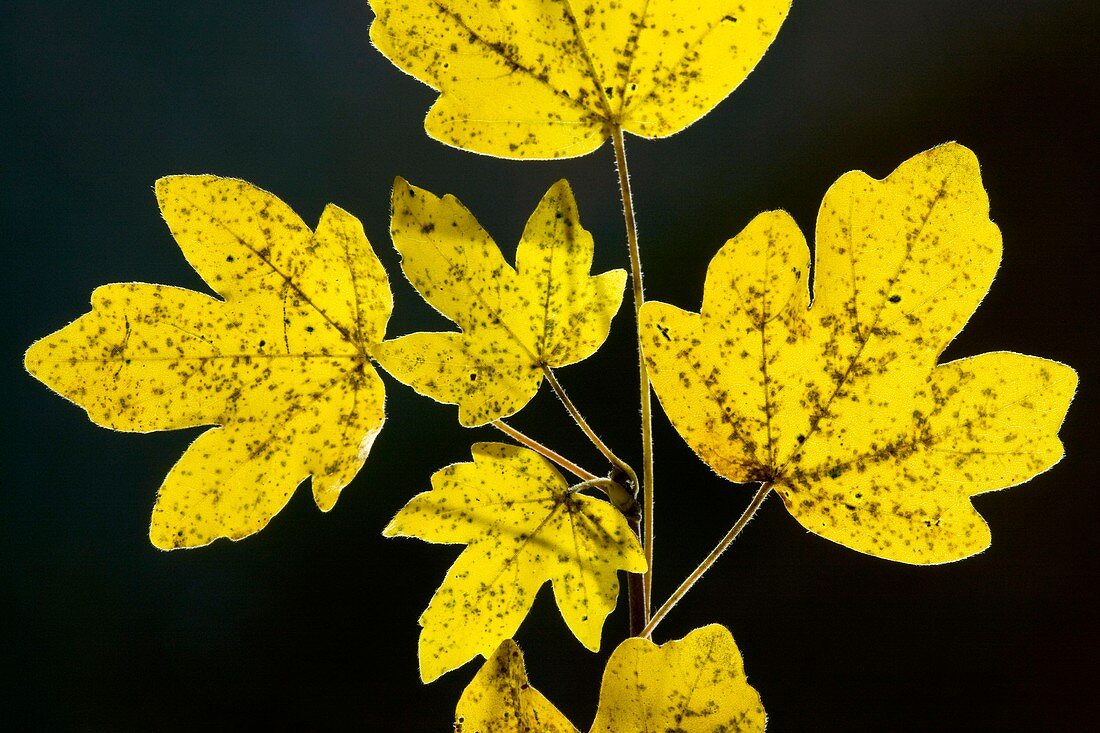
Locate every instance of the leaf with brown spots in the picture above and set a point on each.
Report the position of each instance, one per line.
(500, 700)
(694, 685)
(870, 442)
(523, 526)
(280, 365)
(550, 79)
(547, 312)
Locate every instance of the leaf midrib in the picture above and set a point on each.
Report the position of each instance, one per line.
(515, 64)
(361, 348)
(501, 322)
(840, 384)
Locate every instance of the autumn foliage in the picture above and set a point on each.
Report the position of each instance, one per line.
(816, 377)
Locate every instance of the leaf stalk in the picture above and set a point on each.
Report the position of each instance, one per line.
(591, 434)
(646, 397)
(725, 542)
(538, 447)
(637, 601)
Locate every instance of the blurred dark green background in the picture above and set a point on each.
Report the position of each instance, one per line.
(312, 623)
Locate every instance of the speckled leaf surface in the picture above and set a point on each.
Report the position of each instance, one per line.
(522, 527)
(280, 364)
(549, 78)
(500, 699)
(870, 442)
(546, 312)
(694, 685)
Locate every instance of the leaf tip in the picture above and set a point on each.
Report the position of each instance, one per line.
(591, 640)
(392, 529)
(635, 560)
(952, 148)
(165, 186)
(470, 418)
(401, 188)
(431, 668)
(162, 536)
(158, 541)
(334, 212)
(952, 157)
(325, 496)
(562, 188)
(33, 356)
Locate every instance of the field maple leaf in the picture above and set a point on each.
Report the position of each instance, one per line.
(694, 685)
(550, 79)
(280, 364)
(870, 442)
(516, 322)
(523, 526)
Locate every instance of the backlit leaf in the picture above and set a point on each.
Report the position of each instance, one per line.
(694, 685)
(549, 78)
(547, 312)
(500, 700)
(869, 441)
(280, 365)
(522, 527)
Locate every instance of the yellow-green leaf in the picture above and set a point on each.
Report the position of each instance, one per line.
(500, 700)
(547, 312)
(280, 365)
(842, 405)
(523, 527)
(549, 79)
(694, 685)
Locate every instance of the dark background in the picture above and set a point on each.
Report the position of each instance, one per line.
(312, 623)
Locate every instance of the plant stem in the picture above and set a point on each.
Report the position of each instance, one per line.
(647, 411)
(603, 484)
(538, 447)
(757, 500)
(620, 496)
(637, 600)
(563, 396)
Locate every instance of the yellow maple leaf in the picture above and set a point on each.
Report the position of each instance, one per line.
(280, 365)
(694, 685)
(523, 526)
(550, 79)
(499, 699)
(842, 405)
(547, 312)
